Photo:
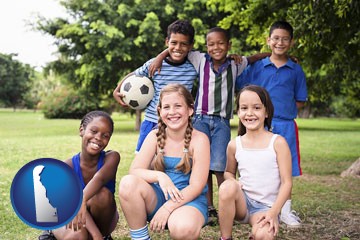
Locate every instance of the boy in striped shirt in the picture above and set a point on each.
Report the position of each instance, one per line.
(214, 101)
(176, 69)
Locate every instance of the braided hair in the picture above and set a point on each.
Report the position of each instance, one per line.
(185, 163)
(94, 114)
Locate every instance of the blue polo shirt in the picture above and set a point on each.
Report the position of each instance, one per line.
(286, 85)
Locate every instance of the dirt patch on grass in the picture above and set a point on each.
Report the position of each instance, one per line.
(327, 220)
(327, 225)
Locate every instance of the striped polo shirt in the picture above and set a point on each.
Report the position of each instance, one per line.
(215, 94)
(183, 73)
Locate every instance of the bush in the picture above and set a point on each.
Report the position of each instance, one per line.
(65, 103)
(345, 107)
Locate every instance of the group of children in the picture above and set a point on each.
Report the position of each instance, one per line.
(184, 141)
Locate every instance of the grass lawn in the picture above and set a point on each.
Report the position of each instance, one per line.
(328, 205)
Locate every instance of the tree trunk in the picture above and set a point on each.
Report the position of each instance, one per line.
(305, 112)
(138, 120)
(353, 170)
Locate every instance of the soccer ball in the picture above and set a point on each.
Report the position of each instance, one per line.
(137, 91)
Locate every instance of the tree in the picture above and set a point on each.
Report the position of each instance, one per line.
(15, 80)
(102, 41)
(328, 40)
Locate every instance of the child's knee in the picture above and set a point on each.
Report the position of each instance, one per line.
(105, 195)
(127, 186)
(263, 233)
(103, 198)
(184, 229)
(69, 234)
(227, 189)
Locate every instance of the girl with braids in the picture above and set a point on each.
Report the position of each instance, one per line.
(167, 181)
(96, 169)
(263, 160)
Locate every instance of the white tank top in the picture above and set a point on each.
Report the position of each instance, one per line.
(259, 171)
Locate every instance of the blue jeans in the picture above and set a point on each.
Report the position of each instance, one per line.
(218, 131)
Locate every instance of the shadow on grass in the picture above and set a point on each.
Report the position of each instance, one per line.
(327, 129)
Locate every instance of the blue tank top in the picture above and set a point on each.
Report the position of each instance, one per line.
(76, 164)
(180, 179)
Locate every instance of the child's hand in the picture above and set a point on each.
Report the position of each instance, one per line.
(120, 99)
(119, 96)
(158, 223)
(79, 221)
(169, 189)
(237, 58)
(269, 217)
(294, 59)
(155, 66)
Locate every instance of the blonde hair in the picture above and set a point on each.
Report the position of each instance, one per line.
(185, 163)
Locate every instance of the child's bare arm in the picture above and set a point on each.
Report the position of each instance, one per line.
(258, 56)
(237, 58)
(104, 175)
(157, 62)
(231, 164)
(300, 105)
(283, 157)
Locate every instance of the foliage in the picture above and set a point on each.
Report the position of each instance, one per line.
(328, 40)
(101, 41)
(39, 88)
(15, 80)
(343, 106)
(66, 103)
(329, 43)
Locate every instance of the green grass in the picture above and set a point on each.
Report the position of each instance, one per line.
(328, 204)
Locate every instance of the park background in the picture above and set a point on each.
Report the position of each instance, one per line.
(99, 42)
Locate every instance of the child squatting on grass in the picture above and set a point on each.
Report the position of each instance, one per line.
(166, 185)
(263, 161)
(286, 84)
(96, 168)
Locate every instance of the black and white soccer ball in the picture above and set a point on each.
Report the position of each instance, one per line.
(138, 91)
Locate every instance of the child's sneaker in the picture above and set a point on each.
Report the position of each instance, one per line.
(212, 216)
(47, 235)
(291, 219)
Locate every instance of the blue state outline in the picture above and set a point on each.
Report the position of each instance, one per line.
(22, 197)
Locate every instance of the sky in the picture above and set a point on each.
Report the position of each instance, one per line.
(16, 36)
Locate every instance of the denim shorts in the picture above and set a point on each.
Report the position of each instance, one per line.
(218, 131)
(253, 207)
(200, 203)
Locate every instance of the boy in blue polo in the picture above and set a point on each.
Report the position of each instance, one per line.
(176, 69)
(285, 81)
